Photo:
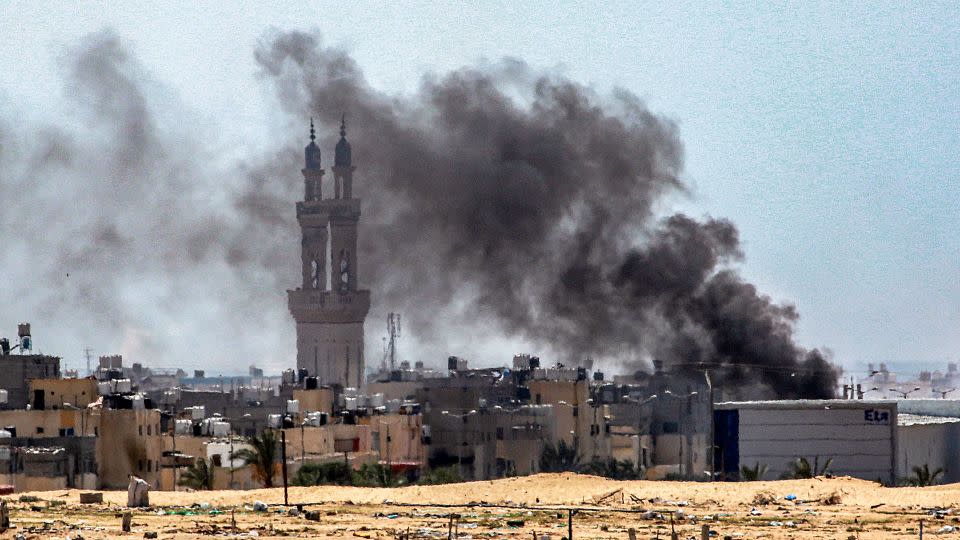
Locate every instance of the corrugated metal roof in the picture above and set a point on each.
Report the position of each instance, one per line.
(806, 404)
(905, 419)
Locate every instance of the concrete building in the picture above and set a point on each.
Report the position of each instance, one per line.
(328, 307)
(670, 413)
(128, 441)
(58, 393)
(19, 369)
(41, 464)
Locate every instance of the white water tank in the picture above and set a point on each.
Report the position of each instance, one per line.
(4, 396)
(122, 386)
(376, 400)
(198, 412)
(104, 388)
(275, 421)
(183, 427)
(293, 406)
(4, 434)
(351, 403)
(220, 429)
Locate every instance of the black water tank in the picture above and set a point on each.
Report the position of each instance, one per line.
(534, 362)
(452, 363)
(311, 383)
(302, 374)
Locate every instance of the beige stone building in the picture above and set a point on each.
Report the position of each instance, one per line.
(58, 393)
(127, 441)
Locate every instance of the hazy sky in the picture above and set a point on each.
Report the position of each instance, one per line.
(828, 133)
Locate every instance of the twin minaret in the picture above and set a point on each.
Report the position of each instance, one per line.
(328, 307)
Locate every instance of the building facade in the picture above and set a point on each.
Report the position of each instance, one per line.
(329, 308)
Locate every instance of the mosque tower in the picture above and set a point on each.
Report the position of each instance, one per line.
(329, 308)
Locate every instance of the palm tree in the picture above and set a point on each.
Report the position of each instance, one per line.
(262, 456)
(752, 475)
(198, 476)
(923, 477)
(801, 468)
(559, 458)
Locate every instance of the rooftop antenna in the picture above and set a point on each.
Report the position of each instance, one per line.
(393, 332)
(87, 351)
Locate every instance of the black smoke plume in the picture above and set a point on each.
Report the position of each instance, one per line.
(498, 201)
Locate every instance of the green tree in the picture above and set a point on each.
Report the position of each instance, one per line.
(754, 474)
(559, 458)
(442, 475)
(198, 476)
(611, 468)
(374, 475)
(262, 456)
(801, 468)
(922, 476)
(316, 474)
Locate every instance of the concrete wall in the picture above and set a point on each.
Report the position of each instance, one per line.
(19, 369)
(77, 392)
(48, 423)
(404, 432)
(130, 442)
(319, 399)
(936, 445)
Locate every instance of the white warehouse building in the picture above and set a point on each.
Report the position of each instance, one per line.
(864, 439)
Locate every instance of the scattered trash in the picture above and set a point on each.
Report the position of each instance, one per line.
(515, 523)
(150, 534)
(946, 529)
(776, 524)
(259, 506)
(312, 515)
(391, 516)
(763, 498)
(754, 512)
(832, 499)
(791, 497)
(293, 512)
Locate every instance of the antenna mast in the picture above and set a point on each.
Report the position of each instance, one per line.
(86, 354)
(393, 332)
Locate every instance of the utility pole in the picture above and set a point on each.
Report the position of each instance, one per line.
(283, 457)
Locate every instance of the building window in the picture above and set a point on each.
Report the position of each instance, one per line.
(149, 427)
(671, 427)
(140, 465)
(141, 431)
(39, 430)
(499, 433)
(149, 465)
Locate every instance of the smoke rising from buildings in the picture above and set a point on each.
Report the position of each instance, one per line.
(498, 200)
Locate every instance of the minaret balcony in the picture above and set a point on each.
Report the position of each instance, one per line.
(315, 305)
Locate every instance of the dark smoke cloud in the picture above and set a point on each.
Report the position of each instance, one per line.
(534, 197)
(498, 201)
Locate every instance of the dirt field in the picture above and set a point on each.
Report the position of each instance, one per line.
(824, 508)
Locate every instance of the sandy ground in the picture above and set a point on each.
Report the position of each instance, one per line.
(840, 508)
